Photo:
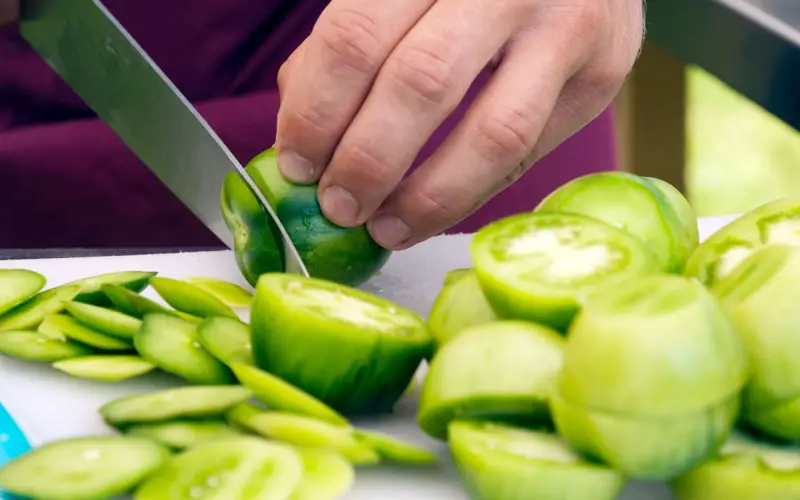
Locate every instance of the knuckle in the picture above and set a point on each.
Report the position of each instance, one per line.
(590, 17)
(427, 75)
(504, 137)
(436, 211)
(353, 38)
(365, 170)
(310, 119)
(605, 79)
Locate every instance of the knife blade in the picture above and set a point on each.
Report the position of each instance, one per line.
(94, 54)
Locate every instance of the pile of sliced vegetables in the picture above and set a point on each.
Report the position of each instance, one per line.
(594, 341)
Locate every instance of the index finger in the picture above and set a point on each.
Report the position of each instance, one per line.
(325, 89)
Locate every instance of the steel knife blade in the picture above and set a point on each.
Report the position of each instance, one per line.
(94, 54)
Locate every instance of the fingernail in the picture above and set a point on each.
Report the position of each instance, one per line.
(339, 205)
(389, 231)
(294, 167)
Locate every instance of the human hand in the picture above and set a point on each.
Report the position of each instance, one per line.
(9, 11)
(365, 91)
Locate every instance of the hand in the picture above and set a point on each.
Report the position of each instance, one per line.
(365, 91)
(9, 11)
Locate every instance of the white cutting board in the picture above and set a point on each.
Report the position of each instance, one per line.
(49, 405)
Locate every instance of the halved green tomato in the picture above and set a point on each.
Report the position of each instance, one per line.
(651, 378)
(240, 468)
(354, 351)
(776, 222)
(744, 469)
(104, 320)
(30, 313)
(35, 346)
(503, 371)
(460, 304)
(182, 434)
(91, 287)
(541, 266)
(622, 348)
(17, 286)
(105, 368)
(304, 432)
(91, 468)
(190, 299)
(500, 462)
(646, 447)
(641, 206)
(761, 298)
(170, 404)
(344, 255)
(172, 344)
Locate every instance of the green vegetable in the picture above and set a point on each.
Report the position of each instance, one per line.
(762, 297)
(744, 469)
(30, 313)
(91, 288)
(326, 475)
(92, 468)
(499, 462)
(172, 344)
(345, 255)
(63, 326)
(282, 396)
(172, 404)
(540, 267)
(227, 339)
(34, 346)
(182, 434)
(305, 432)
(229, 293)
(460, 304)
(651, 378)
(774, 222)
(17, 286)
(648, 208)
(237, 468)
(395, 450)
(354, 351)
(190, 299)
(105, 368)
(503, 370)
(104, 320)
(131, 303)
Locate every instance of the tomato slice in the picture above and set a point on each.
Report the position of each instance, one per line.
(93, 468)
(240, 468)
(541, 266)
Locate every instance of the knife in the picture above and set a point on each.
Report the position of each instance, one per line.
(91, 51)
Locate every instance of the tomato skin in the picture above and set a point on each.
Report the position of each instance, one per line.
(344, 255)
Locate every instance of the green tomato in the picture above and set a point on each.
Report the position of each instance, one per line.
(344, 255)
(650, 209)
(761, 296)
(652, 377)
(776, 222)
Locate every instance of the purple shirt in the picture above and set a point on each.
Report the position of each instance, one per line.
(69, 181)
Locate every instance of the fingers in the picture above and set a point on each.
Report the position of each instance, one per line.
(9, 11)
(491, 147)
(323, 88)
(423, 80)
